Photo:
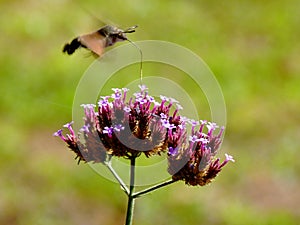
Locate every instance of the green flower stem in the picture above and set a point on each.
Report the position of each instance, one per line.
(130, 205)
(153, 188)
(114, 173)
(130, 192)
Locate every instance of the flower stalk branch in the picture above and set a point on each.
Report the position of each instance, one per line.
(118, 178)
(153, 188)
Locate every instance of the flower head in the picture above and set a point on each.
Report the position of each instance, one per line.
(194, 161)
(141, 125)
(120, 127)
(71, 141)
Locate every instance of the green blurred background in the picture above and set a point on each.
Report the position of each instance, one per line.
(253, 49)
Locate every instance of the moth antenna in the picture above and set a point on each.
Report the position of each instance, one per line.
(141, 62)
(131, 29)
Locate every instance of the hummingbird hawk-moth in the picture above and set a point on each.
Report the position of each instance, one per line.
(98, 40)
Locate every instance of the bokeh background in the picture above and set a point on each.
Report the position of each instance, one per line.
(252, 47)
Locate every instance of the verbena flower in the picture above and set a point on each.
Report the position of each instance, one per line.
(142, 125)
(120, 128)
(192, 159)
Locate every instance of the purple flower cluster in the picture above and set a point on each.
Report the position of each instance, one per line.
(142, 125)
(192, 159)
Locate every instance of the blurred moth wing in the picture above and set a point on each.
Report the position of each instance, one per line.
(94, 42)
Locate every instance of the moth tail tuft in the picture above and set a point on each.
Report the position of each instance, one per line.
(71, 48)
